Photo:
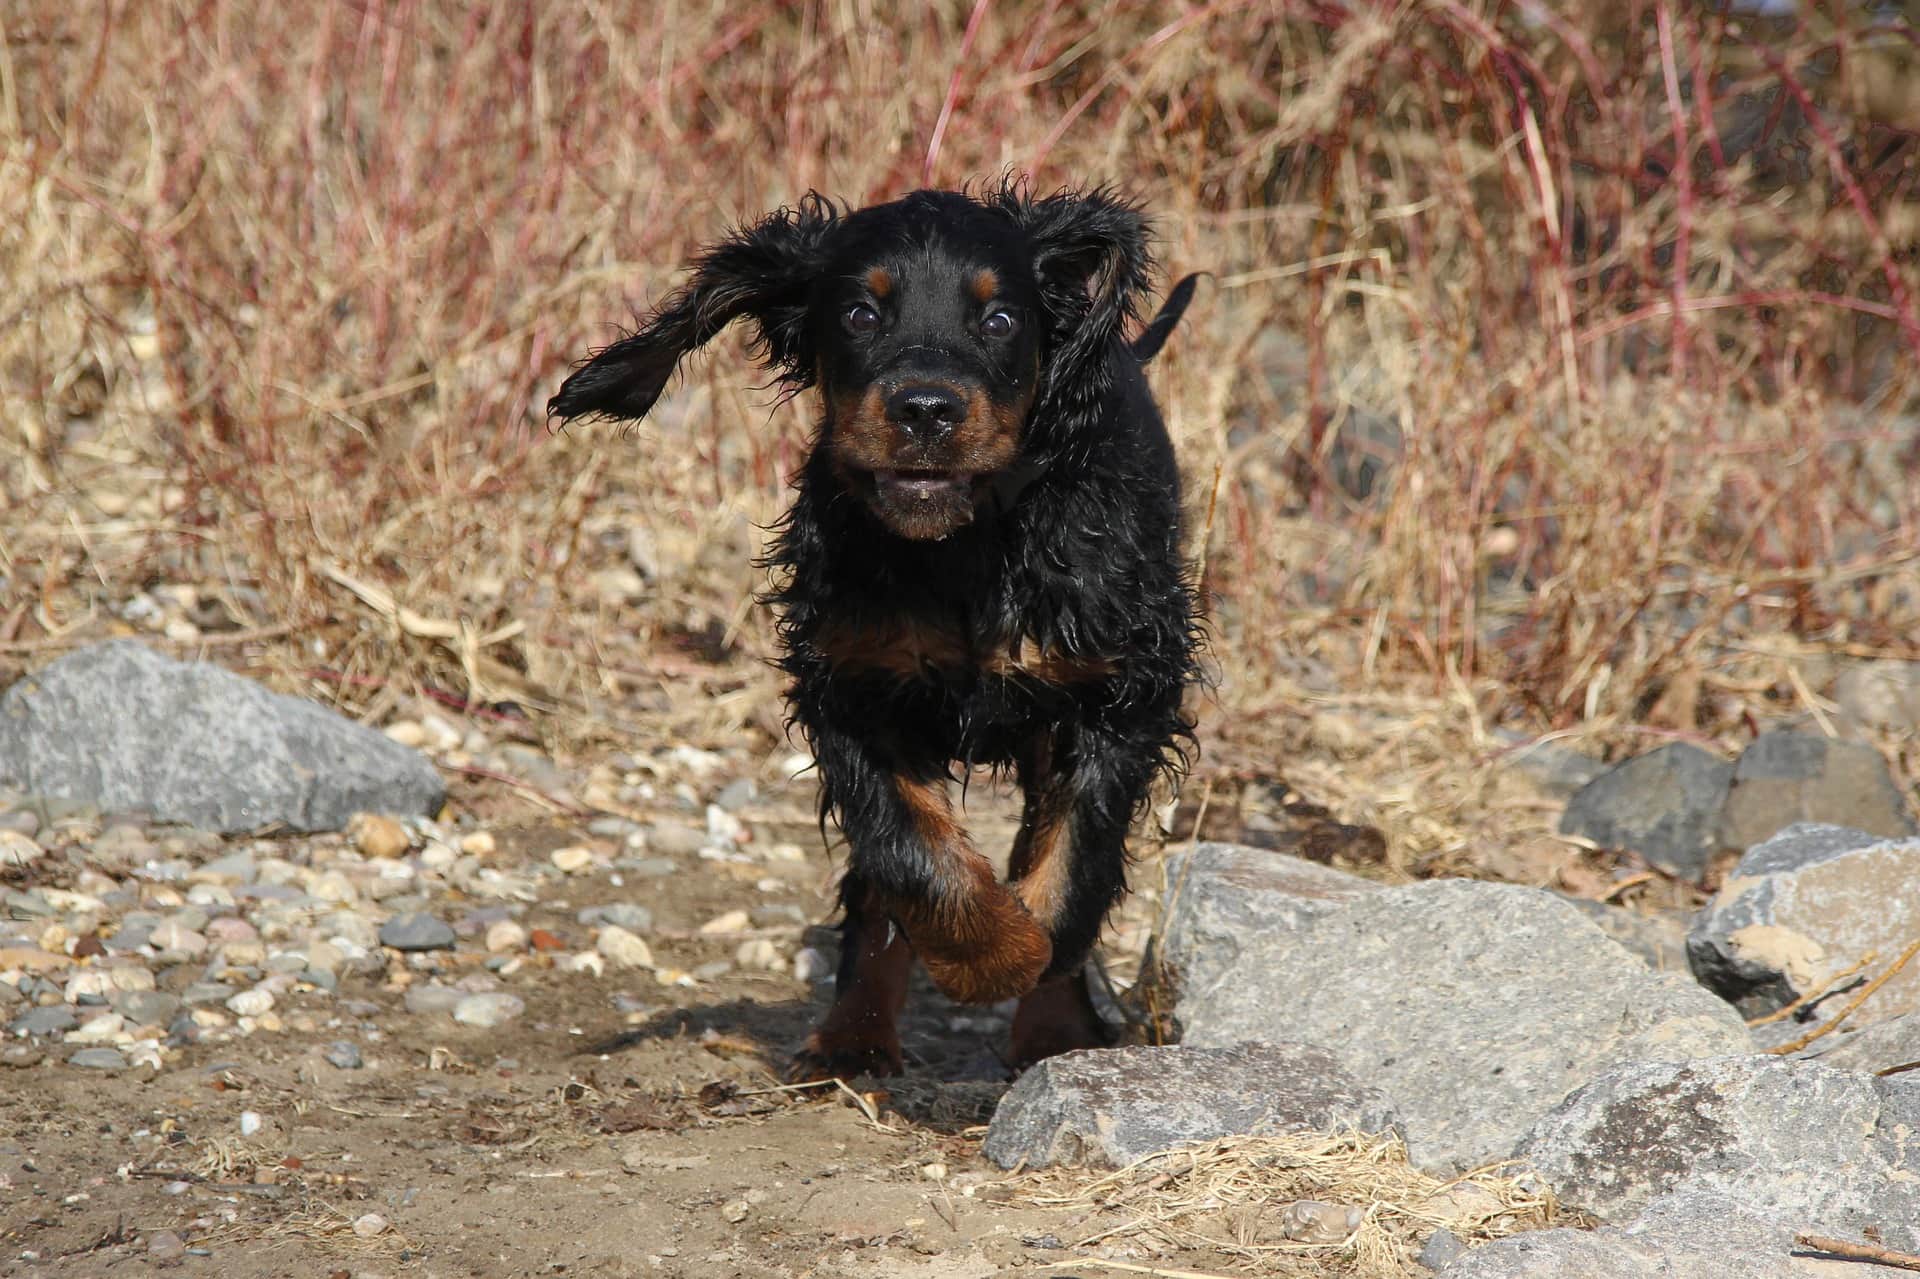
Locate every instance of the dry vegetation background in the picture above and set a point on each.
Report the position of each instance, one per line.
(1552, 376)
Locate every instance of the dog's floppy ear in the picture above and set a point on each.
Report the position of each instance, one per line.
(762, 272)
(1092, 261)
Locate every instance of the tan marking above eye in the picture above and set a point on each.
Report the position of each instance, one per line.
(880, 282)
(984, 285)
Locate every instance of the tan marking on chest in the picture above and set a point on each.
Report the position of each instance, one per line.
(911, 649)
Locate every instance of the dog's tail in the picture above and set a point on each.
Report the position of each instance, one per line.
(1155, 335)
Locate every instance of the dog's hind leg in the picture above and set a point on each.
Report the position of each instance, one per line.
(861, 1035)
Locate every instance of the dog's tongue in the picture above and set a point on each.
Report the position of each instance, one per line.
(921, 484)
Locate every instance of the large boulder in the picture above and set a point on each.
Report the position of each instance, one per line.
(1223, 897)
(1796, 1142)
(1682, 1236)
(123, 728)
(1475, 1007)
(1111, 1106)
(1805, 905)
(1664, 805)
(1783, 778)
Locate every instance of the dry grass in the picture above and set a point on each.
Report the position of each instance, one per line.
(1233, 1197)
(1553, 375)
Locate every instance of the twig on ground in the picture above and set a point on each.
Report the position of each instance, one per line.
(1861, 998)
(1858, 1251)
(1818, 992)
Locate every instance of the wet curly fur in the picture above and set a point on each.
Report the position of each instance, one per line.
(982, 565)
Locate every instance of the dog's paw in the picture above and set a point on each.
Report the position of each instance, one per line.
(827, 1056)
(1057, 1017)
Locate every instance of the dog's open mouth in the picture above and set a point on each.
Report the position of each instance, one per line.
(922, 484)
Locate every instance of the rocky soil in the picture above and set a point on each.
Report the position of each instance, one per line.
(286, 995)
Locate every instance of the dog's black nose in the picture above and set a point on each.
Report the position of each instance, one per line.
(926, 412)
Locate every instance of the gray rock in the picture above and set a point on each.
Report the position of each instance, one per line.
(1881, 695)
(1804, 906)
(1664, 805)
(1660, 940)
(1794, 1142)
(208, 992)
(1441, 1249)
(1221, 897)
(344, 1054)
(432, 999)
(491, 1009)
(1783, 778)
(417, 931)
(1872, 1047)
(1680, 1237)
(1475, 1007)
(1551, 767)
(631, 916)
(1110, 1106)
(51, 1020)
(122, 727)
(97, 1059)
(145, 1007)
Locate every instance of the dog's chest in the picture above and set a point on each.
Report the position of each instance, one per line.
(942, 650)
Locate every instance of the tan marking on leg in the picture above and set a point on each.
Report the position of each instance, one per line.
(980, 945)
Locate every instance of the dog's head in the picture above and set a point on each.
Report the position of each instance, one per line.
(938, 327)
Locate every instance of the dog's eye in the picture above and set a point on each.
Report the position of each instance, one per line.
(999, 324)
(861, 318)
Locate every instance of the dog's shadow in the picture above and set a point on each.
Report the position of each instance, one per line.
(955, 1054)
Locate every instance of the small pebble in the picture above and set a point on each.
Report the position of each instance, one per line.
(734, 921)
(249, 1122)
(760, 953)
(488, 1010)
(811, 965)
(542, 940)
(585, 962)
(164, 1245)
(378, 835)
(504, 936)
(432, 999)
(416, 931)
(369, 1225)
(623, 948)
(572, 859)
(173, 938)
(251, 1003)
(98, 1059)
(735, 1211)
(478, 844)
(18, 849)
(344, 1054)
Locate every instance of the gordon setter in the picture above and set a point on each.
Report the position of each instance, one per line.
(982, 565)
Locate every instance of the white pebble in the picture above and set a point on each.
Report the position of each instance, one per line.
(734, 921)
(478, 844)
(625, 949)
(249, 1122)
(760, 952)
(251, 1003)
(506, 935)
(572, 859)
(17, 849)
(491, 1009)
(369, 1225)
(586, 962)
(811, 965)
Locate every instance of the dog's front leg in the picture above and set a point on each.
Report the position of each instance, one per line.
(979, 943)
(1068, 867)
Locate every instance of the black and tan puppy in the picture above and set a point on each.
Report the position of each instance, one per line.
(982, 565)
